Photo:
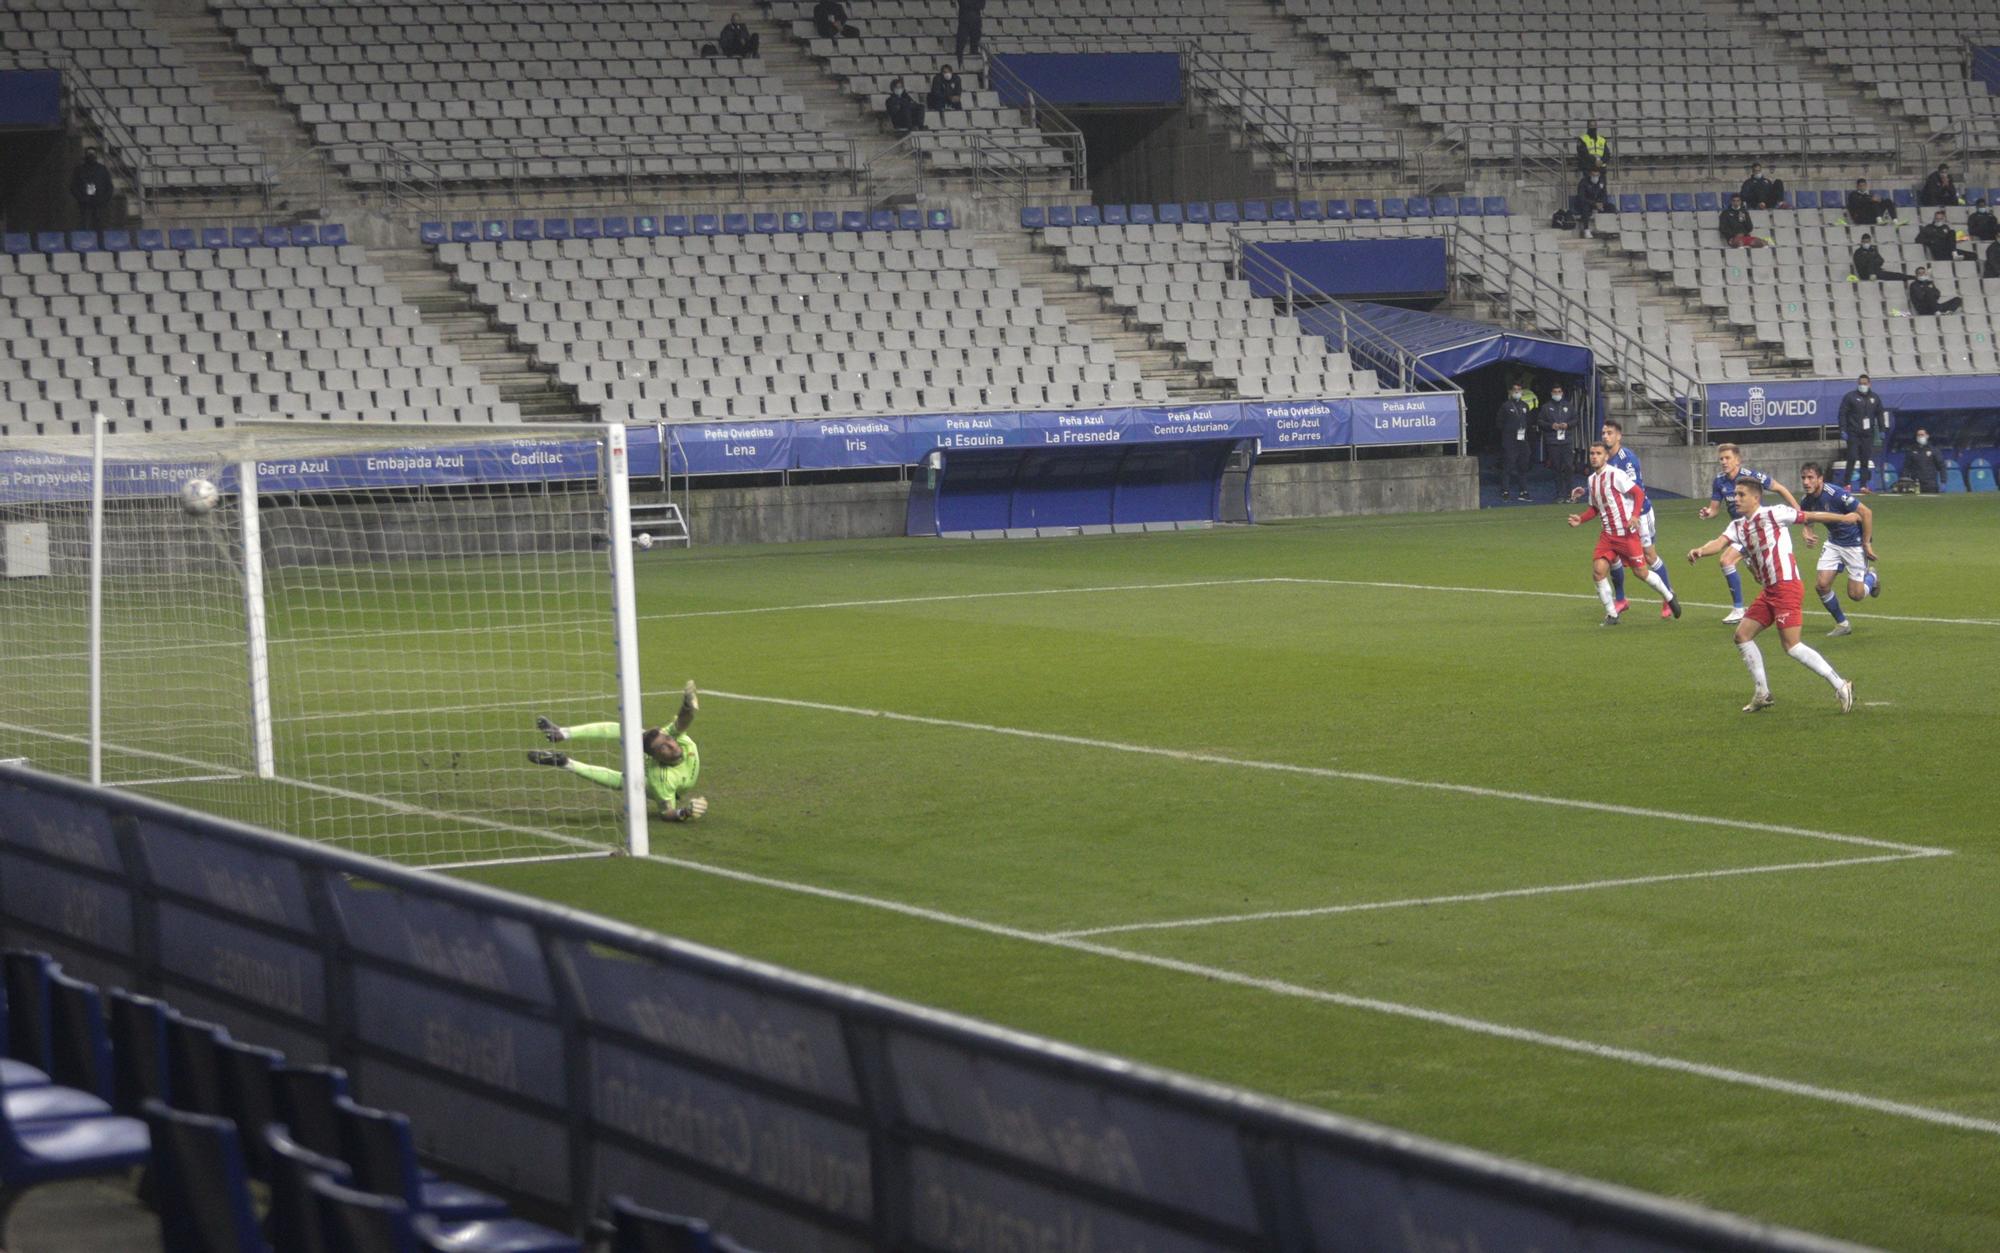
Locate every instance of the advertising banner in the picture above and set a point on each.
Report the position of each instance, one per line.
(1422, 418)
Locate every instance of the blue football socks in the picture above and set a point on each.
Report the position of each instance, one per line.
(1735, 586)
(1832, 602)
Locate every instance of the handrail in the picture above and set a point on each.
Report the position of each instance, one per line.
(124, 154)
(878, 183)
(1053, 123)
(1264, 120)
(1578, 320)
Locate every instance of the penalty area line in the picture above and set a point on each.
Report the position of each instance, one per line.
(1395, 1009)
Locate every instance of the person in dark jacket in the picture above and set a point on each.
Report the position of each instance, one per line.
(1735, 224)
(1865, 208)
(1981, 224)
(1992, 269)
(947, 92)
(90, 187)
(906, 113)
(1941, 241)
(737, 40)
(1516, 422)
(830, 20)
(1938, 189)
(1868, 263)
(1861, 419)
(1592, 197)
(1761, 193)
(1925, 302)
(1559, 424)
(1923, 465)
(1593, 151)
(966, 38)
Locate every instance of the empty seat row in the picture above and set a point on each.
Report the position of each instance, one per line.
(1036, 217)
(647, 226)
(305, 235)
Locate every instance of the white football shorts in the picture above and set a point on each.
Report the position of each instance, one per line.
(1649, 525)
(1844, 556)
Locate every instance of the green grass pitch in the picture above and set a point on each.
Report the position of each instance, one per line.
(979, 775)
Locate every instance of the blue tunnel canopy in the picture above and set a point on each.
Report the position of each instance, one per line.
(1451, 346)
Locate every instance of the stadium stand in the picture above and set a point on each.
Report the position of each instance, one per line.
(703, 327)
(525, 92)
(1912, 53)
(158, 118)
(191, 337)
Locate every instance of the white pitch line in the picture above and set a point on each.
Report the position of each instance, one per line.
(1516, 591)
(1463, 898)
(951, 596)
(1460, 1022)
(1326, 772)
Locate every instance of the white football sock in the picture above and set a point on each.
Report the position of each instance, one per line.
(1754, 659)
(1811, 660)
(1658, 584)
(1604, 594)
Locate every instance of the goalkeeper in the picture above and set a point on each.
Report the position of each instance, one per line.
(673, 762)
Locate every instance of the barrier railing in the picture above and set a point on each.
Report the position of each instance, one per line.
(561, 1058)
(1002, 165)
(121, 152)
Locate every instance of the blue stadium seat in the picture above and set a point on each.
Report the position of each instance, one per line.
(32, 1038)
(379, 1147)
(636, 1229)
(248, 1097)
(1086, 215)
(937, 219)
(151, 240)
(1832, 199)
(80, 1045)
(1658, 202)
(83, 241)
(1338, 211)
(909, 219)
(882, 220)
(555, 228)
(56, 241)
(352, 1221)
(1141, 215)
(1033, 217)
(736, 224)
(825, 221)
(1444, 206)
(333, 235)
(1631, 202)
(764, 223)
(1060, 215)
(1469, 207)
(646, 226)
(277, 237)
(1890, 467)
(1224, 211)
(431, 232)
(1196, 212)
(1417, 207)
(1974, 194)
(308, 1099)
(1256, 211)
(68, 1148)
(527, 228)
(1115, 215)
(509, 1235)
(292, 1220)
(117, 241)
(1681, 202)
(617, 228)
(1979, 475)
(1496, 207)
(1284, 211)
(1365, 210)
(245, 237)
(1705, 202)
(1953, 479)
(201, 1183)
(305, 235)
(14, 243)
(1395, 208)
(674, 224)
(586, 228)
(853, 221)
(182, 238)
(194, 1069)
(1169, 214)
(465, 232)
(1904, 198)
(493, 229)
(1311, 211)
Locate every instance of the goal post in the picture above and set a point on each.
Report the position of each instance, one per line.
(350, 643)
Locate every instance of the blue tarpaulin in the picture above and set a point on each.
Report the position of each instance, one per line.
(1384, 269)
(30, 98)
(1451, 346)
(1091, 78)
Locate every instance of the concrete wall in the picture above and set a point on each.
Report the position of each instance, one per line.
(1690, 470)
(779, 515)
(1329, 489)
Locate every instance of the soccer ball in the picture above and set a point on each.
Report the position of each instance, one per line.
(644, 540)
(198, 496)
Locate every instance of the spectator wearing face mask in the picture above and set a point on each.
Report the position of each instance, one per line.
(1868, 264)
(1865, 208)
(1759, 192)
(1861, 418)
(1923, 465)
(1938, 189)
(1941, 241)
(1982, 224)
(1734, 224)
(1992, 269)
(1925, 302)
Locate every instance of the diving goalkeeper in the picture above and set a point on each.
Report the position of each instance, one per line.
(673, 762)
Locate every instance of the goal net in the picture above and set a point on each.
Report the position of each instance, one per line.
(349, 639)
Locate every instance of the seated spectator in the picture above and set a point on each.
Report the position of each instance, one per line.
(1941, 241)
(1760, 192)
(905, 114)
(1992, 269)
(946, 91)
(1923, 464)
(1735, 225)
(1592, 197)
(1982, 224)
(1938, 189)
(1865, 208)
(737, 40)
(830, 20)
(1924, 299)
(1593, 151)
(1868, 264)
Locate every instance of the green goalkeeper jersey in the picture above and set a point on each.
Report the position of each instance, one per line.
(666, 783)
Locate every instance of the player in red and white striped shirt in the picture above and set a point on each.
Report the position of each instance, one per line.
(1764, 537)
(1617, 501)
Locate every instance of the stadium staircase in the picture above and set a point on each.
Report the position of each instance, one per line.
(1089, 310)
(428, 288)
(1683, 308)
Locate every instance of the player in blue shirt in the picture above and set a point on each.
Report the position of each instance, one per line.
(1722, 495)
(1850, 544)
(1622, 458)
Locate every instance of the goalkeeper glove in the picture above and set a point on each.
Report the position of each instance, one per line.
(690, 700)
(695, 808)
